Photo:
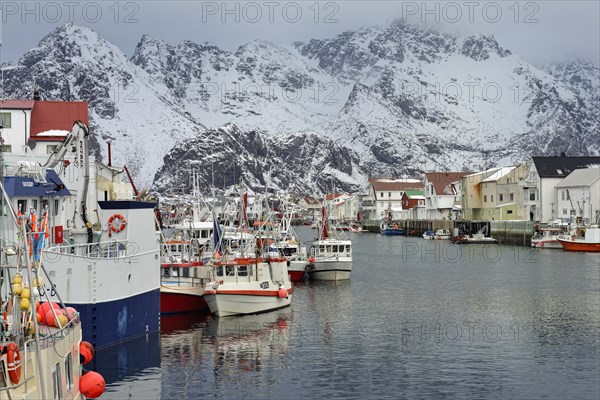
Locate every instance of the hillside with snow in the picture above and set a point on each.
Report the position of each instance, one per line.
(394, 100)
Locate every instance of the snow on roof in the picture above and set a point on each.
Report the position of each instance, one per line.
(498, 174)
(53, 132)
(581, 177)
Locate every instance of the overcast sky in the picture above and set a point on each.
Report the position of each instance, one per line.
(539, 31)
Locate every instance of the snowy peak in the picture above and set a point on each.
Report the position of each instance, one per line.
(482, 47)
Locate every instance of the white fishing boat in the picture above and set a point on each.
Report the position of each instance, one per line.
(547, 238)
(442, 234)
(331, 254)
(41, 347)
(102, 248)
(248, 285)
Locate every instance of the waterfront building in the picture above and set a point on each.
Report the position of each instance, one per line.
(442, 194)
(542, 176)
(387, 194)
(579, 195)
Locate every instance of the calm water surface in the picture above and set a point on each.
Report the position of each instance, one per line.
(418, 319)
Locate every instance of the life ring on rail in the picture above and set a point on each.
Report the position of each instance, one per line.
(13, 359)
(117, 228)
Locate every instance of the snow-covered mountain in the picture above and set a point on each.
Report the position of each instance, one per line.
(391, 100)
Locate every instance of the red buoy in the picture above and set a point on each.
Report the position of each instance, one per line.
(86, 352)
(311, 259)
(92, 384)
(282, 293)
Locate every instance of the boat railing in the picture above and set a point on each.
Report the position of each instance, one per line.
(109, 249)
(46, 342)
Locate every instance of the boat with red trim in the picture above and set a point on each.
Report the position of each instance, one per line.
(584, 239)
(248, 286)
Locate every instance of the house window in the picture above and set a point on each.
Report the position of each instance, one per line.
(532, 195)
(509, 211)
(6, 119)
(500, 197)
(565, 211)
(389, 194)
(381, 195)
(562, 194)
(492, 198)
(420, 202)
(7, 148)
(50, 148)
(511, 197)
(485, 198)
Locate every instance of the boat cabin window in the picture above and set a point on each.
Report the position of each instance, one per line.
(321, 249)
(69, 370)
(56, 382)
(173, 247)
(167, 272)
(34, 204)
(229, 270)
(328, 248)
(348, 248)
(205, 234)
(174, 272)
(219, 270)
(289, 251)
(334, 248)
(22, 206)
(56, 207)
(242, 270)
(185, 273)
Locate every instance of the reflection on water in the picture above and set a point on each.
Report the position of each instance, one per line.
(131, 369)
(501, 322)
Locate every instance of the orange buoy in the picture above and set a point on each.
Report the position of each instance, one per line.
(86, 352)
(282, 293)
(311, 259)
(92, 384)
(38, 316)
(72, 312)
(49, 318)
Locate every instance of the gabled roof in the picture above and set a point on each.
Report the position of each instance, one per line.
(499, 174)
(57, 115)
(561, 167)
(412, 194)
(442, 181)
(332, 196)
(16, 104)
(580, 177)
(395, 185)
(311, 200)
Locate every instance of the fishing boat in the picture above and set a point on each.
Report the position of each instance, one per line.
(390, 229)
(289, 245)
(41, 346)
(442, 234)
(429, 235)
(248, 285)
(583, 239)
(184, 272)
(476, 238)
(102, 247)
(331, 254)
(547, 238)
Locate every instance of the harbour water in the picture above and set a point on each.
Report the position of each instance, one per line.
(418, 319)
